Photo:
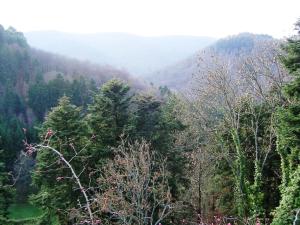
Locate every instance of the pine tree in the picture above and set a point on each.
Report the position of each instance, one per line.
(154, 120)
(108, 117)
(146, 117)
(65, 131)
(289, 137)
(38, 95)
(81, 91)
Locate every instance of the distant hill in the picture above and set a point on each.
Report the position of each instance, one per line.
(241, 43)
(29, 76)
(137, 54)
(179, 75)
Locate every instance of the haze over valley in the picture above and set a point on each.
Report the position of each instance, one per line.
(139, 55)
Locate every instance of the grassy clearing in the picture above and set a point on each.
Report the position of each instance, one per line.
(23, 211)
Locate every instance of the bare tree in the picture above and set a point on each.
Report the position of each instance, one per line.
(135, 187)
(221, 88)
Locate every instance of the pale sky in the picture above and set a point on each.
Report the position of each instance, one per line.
(215, 18)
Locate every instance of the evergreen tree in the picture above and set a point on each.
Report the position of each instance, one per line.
(57, 88)
(154, 120)
(5, 190)
(108, 117)
(38, 95)
(146, 117)
(81, 91)
(289, 137)
(177, 162)
(11, 131)
(65, 131)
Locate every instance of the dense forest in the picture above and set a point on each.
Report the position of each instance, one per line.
(85, 144)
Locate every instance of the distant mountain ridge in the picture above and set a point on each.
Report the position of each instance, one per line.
(243, 42)
(179, 75)
(138, 55)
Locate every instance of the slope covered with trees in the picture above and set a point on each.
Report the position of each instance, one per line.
(226, 152)
(179, 75)
(288, 137)
(31, 82)
(90, 140)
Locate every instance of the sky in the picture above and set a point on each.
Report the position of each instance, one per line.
(214, 18)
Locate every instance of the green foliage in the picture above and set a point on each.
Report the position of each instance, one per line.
(5, 189)
(108, 117)
(25, 100)
(169, 127)
(288, 143)
(256, 194)
(290, 201)
(111, 117)
(55, 189)
(23, 211)
(43, 96)
(222, 187)
(146, 116)
(81, 91)
(233, 142)
(244, 184)
(23, 168)
(11, 103)
(154, 120)
(26, 214)
(251, 157)
(38, 99)
(11, 131)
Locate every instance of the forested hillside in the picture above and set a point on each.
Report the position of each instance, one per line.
(22, 67)
(31, 82)
(81, 146)
(179, 75)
